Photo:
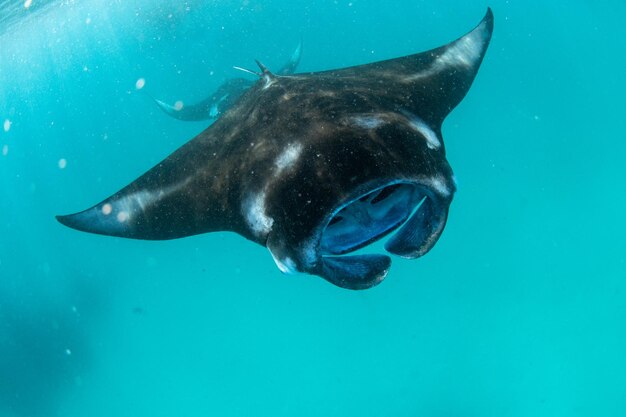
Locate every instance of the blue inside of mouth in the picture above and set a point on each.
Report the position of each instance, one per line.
(370, 217)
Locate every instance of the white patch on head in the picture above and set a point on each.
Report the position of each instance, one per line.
(420, 126)
(438, 183)
(254, 211)
(288, 157)
(367, 121)
(286, 265)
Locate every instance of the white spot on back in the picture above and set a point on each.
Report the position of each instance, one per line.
(367, 121)
(254, 211)
(288, 157)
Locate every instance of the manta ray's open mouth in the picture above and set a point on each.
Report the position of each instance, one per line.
(378, 212)
(416, 211)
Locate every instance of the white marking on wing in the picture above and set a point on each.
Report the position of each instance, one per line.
(463, 53)
(420, 126)
(128, 206)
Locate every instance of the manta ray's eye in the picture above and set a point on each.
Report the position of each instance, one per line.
(369, 217)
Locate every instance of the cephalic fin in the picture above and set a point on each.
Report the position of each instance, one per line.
(356, 272)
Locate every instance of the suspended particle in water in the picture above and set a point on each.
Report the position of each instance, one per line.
(88, 20)
(62, 163)
(27, 3)
(122, 216)
(5, 150)
(7, 125)
(107, 209)
(140, 83)
(178, 105)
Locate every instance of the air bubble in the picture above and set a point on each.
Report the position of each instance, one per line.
(140, 83)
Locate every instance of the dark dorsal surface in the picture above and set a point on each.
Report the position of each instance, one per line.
(314, 166)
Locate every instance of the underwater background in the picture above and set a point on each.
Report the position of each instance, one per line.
(519, 310)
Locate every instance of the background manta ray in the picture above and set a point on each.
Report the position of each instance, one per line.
(314, 166)
(224, 97)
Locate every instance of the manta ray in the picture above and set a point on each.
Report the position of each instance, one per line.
(224, 97)
(314, 166)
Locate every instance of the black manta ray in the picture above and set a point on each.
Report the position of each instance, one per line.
(314, 166)
(224, 97)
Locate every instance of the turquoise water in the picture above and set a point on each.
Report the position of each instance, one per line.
(519, 310)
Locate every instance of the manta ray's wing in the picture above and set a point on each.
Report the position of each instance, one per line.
(429, 84)
(292, 65)
(224, 97)
(188, 193)
(212, 106)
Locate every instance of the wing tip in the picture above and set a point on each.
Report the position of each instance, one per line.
(93, 220)
(488, 20)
